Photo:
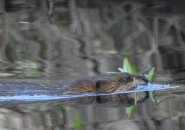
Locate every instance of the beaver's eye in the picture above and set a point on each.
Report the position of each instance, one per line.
(126, 79)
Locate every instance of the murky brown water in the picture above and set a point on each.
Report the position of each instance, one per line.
(53, 40)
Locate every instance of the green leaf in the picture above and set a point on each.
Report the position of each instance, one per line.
(151, 78)
(128, 67)
(77, 122)
(151, 75)
(153, 97)
(130, 110)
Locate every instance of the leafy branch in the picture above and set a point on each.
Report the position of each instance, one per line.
(129, 68)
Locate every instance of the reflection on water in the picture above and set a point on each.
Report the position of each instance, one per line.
(30, 91)
(66, 40)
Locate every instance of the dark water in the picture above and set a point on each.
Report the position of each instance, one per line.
(64, 40)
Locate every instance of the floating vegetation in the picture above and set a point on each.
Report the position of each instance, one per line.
(77, 122)
(150, 87)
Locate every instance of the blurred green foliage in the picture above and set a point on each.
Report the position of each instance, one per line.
(11, 41)
(151, 77)
(28, 67)
(77, 122)
(130, 110)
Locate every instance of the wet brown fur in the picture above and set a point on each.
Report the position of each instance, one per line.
(100, 84)
(107, 83)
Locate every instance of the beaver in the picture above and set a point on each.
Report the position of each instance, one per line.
(100, 84)
(105, 84)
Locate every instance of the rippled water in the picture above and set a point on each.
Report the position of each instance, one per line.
(64, 40)
(11, 91)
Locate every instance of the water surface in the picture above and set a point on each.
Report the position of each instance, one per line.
(58, 41)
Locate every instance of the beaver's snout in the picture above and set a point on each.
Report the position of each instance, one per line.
(127, 82)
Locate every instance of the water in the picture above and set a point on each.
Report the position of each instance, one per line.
(30, 93)
(58, 41)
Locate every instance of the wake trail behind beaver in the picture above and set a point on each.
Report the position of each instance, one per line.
(40, 94)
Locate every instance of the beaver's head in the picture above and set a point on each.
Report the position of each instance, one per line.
(120, 82)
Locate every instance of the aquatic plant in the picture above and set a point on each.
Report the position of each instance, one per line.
(150, 75)
(77, 122)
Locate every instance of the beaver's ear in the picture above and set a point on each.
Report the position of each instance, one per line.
(101, 86)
